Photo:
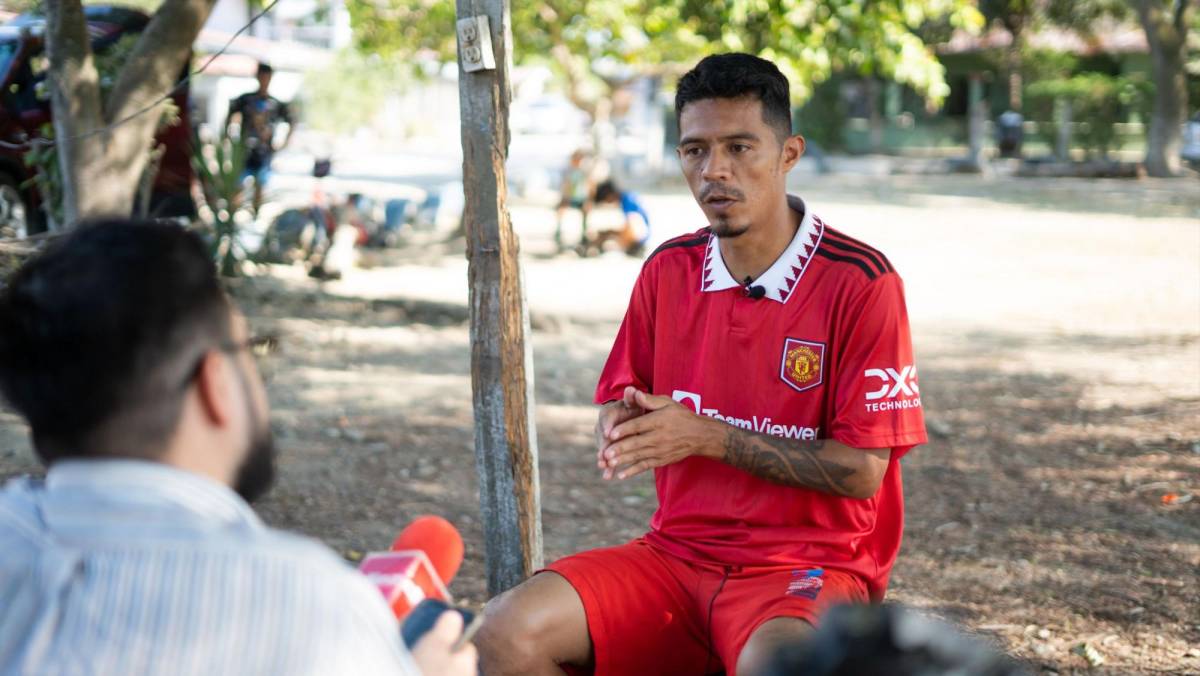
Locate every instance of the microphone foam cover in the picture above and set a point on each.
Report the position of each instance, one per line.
(440, 541)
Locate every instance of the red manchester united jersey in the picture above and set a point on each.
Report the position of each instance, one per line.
(818, 347)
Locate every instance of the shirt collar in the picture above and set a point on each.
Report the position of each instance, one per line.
(782, 278)
(85, 489)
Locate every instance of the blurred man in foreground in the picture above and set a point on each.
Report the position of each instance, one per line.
(138, 553)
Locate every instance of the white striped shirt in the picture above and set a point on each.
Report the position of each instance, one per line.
(131, 567)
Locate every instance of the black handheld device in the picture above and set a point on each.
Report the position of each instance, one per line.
(426, 614)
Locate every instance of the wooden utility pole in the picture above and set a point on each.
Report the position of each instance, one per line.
(501, 360)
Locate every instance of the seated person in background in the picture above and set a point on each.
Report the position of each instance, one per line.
(139, 553)
(577, 186)
(635, 226)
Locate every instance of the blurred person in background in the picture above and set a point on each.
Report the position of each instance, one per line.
(576, 192)
(635, 222)
(139, 552)
(258, 114)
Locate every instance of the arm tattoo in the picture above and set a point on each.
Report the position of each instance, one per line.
(786, 461)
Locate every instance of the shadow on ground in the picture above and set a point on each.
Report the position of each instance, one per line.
(1034, 516)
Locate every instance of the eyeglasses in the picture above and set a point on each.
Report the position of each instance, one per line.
(262, 348)
(259, 346)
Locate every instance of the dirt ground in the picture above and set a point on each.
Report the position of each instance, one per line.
(1059, 348)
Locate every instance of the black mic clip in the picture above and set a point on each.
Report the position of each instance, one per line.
(753, 292)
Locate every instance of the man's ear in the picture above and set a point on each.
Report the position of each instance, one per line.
(793, 150)
(214, 387)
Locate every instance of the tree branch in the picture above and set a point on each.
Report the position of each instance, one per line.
(152, 70)
(157, 60)
(72, 68)
(74, 94)
(575, 75)
(1181, 8)
(1149, 20)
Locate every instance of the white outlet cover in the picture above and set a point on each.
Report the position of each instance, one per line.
(475, 44)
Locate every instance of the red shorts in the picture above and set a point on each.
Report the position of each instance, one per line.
(649, 612)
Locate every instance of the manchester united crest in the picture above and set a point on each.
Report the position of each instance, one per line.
(803, 364)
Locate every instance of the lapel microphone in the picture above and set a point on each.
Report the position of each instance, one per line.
(753, 292)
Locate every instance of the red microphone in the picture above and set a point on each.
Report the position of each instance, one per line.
(425, 556)
(439, 539)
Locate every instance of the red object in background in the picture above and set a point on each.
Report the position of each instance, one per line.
(436, 537)
(425, 556)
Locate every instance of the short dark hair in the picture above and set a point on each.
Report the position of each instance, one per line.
(607, 190)
(264, 69)
(101, 332)
(734, 76)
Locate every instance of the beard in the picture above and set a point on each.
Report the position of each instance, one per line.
(724, 228)
(257, 472)
(723, 225)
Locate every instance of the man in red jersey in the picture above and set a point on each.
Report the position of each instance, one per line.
(764, 371)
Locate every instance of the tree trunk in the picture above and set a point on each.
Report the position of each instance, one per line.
(153, 69)
(1166, 33)
(976, 122)
(102, 169)
(875, 116)
(1016, 81)
(75, 100)
(1015, 23)
(1062, 146)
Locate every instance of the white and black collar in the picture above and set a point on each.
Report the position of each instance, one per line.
(782, 278)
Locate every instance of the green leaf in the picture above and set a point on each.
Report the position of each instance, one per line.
(808, 39)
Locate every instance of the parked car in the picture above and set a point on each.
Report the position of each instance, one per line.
(25, 109)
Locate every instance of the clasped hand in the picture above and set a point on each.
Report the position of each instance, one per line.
(644, 431)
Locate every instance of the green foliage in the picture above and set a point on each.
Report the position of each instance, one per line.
(43, 160)
(1082, 16)
(402, 27)
(598, 43)
(1047, 64)
(823, 117)
(219, 166)
(1014, 15)
(1098, 103)
(348, 94)
(811, 39)
(148, 6)
(1098, 100)
(22, 6)
(110, 60)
